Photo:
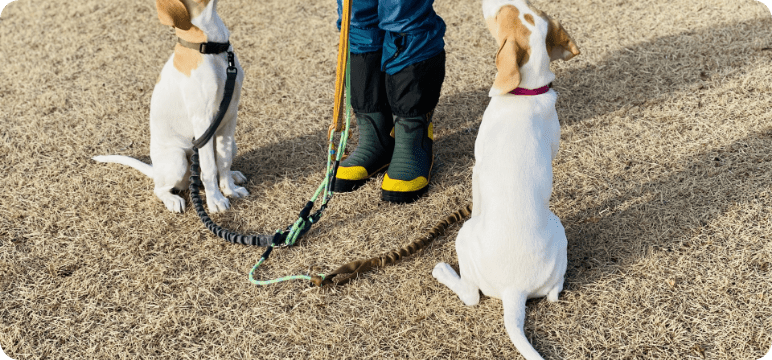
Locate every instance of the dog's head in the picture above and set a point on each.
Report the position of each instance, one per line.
(528, 40)
(185, 15)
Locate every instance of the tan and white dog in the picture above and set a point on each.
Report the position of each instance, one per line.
(183, 105)
(513, 247)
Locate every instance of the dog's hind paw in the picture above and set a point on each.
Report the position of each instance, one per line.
(445, 274)
(466, 291)
(238, 177)
(552, 296)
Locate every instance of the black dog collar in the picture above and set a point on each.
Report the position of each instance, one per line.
(207, 47)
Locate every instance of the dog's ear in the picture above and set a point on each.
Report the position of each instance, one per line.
(559, 43)
(514, 50)
(508, 76)
(173, 13)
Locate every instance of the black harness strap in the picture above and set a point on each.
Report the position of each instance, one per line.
(230, 85)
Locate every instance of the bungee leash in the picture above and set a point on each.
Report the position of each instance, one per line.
(292, 233)
(351, 270)
(195, 166)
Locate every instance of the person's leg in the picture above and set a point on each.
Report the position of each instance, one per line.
(365, 35)
(413, 32)
(414, 63)
(368, 100)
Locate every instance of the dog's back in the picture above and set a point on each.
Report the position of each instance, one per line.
(517, 140)
(512, 227)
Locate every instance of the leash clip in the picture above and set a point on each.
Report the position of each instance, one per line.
(231, 62)
(279, 239)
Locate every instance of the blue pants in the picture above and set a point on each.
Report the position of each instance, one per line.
(408, 31)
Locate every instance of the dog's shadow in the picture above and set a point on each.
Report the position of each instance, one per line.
(641, 75)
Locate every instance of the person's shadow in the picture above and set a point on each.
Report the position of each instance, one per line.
(636, 76)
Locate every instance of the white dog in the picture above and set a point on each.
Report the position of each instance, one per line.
(184, 103)
(513, 247)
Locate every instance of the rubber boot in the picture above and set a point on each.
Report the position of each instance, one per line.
(374, 121)
(371, 156)
(413, 93)
(411, 165)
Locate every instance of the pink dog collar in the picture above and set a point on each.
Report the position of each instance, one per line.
(529, 92)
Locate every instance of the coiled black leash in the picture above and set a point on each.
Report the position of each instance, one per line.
(195, 165)
(285, 237)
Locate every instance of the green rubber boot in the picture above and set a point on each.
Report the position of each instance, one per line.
(411, 165)
(371, 156)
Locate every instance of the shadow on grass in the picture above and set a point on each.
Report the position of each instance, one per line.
(638, 75)
(660, 215)
(666, 209)
(288, 158)
(634, 76)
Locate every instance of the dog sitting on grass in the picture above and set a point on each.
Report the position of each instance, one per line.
(513, 247)
(183, 105)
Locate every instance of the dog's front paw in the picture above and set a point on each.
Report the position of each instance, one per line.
(217, 203)
(174, 203)
(235, 191)
(238, 177)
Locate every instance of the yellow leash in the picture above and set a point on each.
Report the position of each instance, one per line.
(351, 270)
(340, 74)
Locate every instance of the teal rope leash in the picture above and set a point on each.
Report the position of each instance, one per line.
(292, 233)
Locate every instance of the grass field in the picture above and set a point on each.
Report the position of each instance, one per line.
(663, 182)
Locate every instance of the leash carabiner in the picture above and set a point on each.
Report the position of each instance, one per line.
(231, 64)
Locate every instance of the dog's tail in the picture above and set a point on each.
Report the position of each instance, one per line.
(146, 169)
(514, 319)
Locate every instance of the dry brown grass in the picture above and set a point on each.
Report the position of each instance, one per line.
(663, 184)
